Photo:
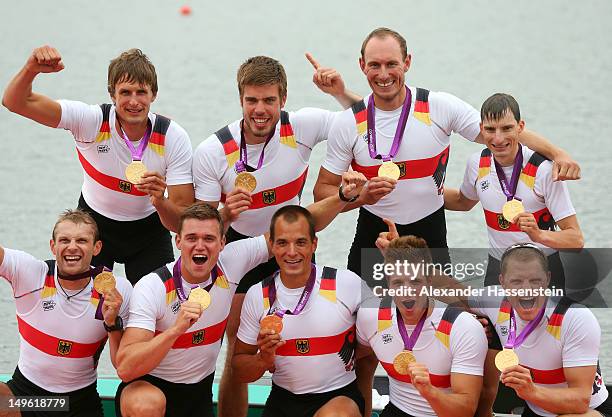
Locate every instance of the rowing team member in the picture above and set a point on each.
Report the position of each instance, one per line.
(160, 360)
(382, 51)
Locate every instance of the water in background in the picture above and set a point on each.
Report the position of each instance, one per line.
(551, 55)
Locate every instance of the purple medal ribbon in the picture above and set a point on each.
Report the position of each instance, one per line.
(93, 272)
(410, 341)
(399, 131)
(513, 339)
(303, 298)
(510, 189)
(241, 164)
(178, 284)
(137, 153)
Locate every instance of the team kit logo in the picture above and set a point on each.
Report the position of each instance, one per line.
(302, 346)
(125, 186)
(502, 222)
(64, 347)
(197, 338)
(269, 196)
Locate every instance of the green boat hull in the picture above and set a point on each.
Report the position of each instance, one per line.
(107, 387)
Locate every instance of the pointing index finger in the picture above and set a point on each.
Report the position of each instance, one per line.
(312, 61)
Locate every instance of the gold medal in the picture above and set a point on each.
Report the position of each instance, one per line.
(246, 181)
(511, 209)
(389, 169)
(272, 322)
(104, 282)
(505, 359)
(200, 296)
(402, 360)
(134, 171)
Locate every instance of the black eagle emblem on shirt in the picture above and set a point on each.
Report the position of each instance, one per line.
(440, 173)
(347, 351)
(546, 222)
(598, 380)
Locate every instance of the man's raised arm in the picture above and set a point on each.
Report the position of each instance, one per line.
(330, 82)
(18, 96)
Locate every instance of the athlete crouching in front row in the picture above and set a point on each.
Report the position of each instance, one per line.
(299, 323)
(64, 318)
(432, 352)
(550, 353)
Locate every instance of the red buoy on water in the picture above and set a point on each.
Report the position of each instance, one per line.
(186, 10)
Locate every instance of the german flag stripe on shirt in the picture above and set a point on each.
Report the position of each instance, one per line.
(360, 112)
(157, 140)
(384, 314)
(530, 170)
(104, 133)
(445, 326)
(484, 165)
(265, 291)
(504, 311)
(49, 289)
(328, 284)
(421, 106)
(286, 131)
(230, 147)
(556, 319)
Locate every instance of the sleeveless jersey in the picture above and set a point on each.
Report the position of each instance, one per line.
(547, 202)
(318, 355)
(451, 341)
(60, 340)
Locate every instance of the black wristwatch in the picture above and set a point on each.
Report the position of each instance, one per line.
(343, 198)
(117, 326)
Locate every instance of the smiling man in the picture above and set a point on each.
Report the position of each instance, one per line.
(270, 148)
(311, 349)
(433, 353)
(507, 172)
(63, 321)
(551, 345)
(171, 345)
(399, 137)
(128, 154)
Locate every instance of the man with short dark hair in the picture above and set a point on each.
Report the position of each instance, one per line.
(64, 317)
(550, 355)
(507, 173)
(128, 154)
(311, 347)
(267, 153)
(399, 137)
(168, 355)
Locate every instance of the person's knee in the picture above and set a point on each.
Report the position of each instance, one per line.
(141, 398)
(339, 407)
(5, 394)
